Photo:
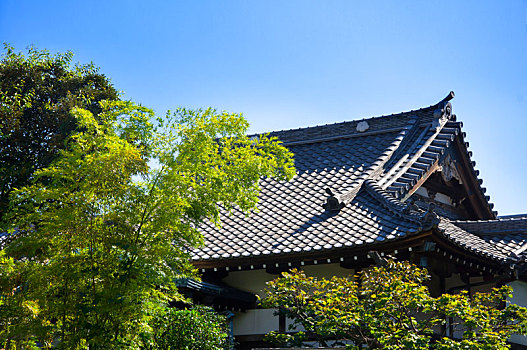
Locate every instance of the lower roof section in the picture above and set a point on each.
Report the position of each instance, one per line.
(304, 228)
(372, 220)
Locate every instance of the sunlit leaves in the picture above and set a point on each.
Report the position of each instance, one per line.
(390, 308)
(199, 328)
(102, 233)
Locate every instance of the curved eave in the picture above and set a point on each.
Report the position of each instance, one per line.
(470, 245)
(345, 254)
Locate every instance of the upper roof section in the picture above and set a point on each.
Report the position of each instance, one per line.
(399, 152)
(351, 188)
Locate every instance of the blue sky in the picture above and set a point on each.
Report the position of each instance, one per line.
(288, 64)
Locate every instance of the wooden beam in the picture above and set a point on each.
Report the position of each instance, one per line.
(422, 180)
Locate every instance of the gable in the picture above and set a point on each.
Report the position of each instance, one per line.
(451, 182)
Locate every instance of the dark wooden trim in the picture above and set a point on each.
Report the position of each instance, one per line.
(422, 180)
(334, 255)
(281, 323)
(249, 338)
(515, 346)
(346, 257)
(471, 185)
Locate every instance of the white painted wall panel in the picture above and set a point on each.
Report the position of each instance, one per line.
(255, 321)
(519, 297)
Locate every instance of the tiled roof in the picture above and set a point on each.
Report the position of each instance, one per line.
(474, 243)
(507, 234)
(305, 227)
(503, 225)
(348, 190)
(5, 238)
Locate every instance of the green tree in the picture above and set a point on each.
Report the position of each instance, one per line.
(37, 92)
(390, 307)
(100, 236)
(198, 328)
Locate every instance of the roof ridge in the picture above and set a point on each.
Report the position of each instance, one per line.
(435, 127)
(344, 126)
(418, 143)
(507, 218)
(406, 174)
(338, 137)
(493, 228)
(354, 120)
(426, 220)
(513, 216)
(390, 202)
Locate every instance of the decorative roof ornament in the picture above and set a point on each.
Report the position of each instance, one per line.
(362, 126)
(444, 110)
(333, 202)
(436, 123)
(429, 218)
(448, 170)
(410, 207)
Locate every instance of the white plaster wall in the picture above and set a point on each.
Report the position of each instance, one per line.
(519, 297)
(251, 280)
(443, 198)
(440, 197)
(255, 321)
(422, 191)
(262, 321)
(254, 281)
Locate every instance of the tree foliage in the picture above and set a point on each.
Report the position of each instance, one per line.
(99, 237)
(390, 307)
(37, 92)
(198, 328)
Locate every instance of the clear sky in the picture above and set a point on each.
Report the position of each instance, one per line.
(287, 64)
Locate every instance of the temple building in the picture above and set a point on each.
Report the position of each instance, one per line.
(402, 185)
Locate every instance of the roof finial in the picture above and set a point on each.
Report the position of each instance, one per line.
(448, 97)
(444, 108)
